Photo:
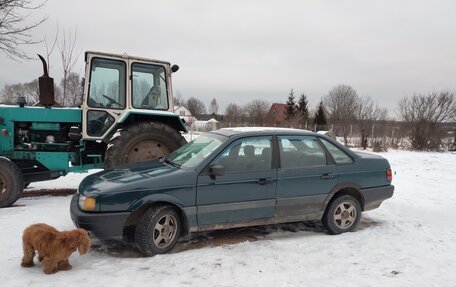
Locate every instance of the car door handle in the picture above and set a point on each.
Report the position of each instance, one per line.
(327, 176)
(263, 181)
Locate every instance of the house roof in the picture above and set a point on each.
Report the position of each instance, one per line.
(181, 107)
(277, 112)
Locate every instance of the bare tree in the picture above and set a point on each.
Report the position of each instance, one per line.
(74, 90)
(15, 30)
(32, 92)
(178, 99)
(196, 107)
(8, 94)
(50, 48)
(69, 56)
(425, 115)
(256, 112)
(29, 91)
(233, 114)
(341, 103)
(367, 112)
(214, 107)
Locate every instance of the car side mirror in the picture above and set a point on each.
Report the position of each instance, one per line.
(216, 170)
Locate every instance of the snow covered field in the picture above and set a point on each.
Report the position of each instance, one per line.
(409, 241)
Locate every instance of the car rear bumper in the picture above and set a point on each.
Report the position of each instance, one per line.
(101, 225)
(373, 197)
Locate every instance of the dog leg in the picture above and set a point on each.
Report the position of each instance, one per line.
(64, 265)
(49, 266)
(29, 253)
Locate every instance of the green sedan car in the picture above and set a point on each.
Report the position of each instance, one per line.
(233, 177)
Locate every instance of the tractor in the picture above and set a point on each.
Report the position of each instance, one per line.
(126, 116)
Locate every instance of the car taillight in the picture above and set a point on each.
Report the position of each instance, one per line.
(389, 174)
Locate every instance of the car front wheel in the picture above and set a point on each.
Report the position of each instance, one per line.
(342, 215)
(158, 230)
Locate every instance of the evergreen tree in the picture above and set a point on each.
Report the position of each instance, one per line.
(303, 107)
(320, 118)
(290, 105)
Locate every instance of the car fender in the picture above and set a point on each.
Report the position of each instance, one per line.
(188, 212)
(339, 187)
(152, 198)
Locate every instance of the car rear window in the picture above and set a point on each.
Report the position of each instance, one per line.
(339, 156)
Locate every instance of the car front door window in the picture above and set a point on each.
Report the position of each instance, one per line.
(250, 154)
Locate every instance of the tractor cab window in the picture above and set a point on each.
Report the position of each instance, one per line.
(107, 84)
(149, 87)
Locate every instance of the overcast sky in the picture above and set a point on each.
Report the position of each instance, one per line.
(238, 51)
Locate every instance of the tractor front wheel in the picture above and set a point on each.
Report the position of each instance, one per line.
(11, 182)
(141, 142)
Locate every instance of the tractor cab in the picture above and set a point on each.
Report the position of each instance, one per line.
(118, 86)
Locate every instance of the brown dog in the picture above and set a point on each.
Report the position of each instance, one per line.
(54, 247)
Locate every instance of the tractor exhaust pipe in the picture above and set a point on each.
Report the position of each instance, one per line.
(46, 86)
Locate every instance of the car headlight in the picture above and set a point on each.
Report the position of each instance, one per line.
(87, 203)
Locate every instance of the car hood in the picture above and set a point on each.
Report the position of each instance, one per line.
(140, 176)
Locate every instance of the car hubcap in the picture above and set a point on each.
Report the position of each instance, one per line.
(145, 150)
(165, 231)
(345, 215)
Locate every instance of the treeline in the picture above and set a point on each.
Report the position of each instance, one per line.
(424, 121)
(72, 97)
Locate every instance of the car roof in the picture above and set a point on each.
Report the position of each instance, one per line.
(253, 131)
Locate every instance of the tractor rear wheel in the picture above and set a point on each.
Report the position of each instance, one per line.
(11, 182)
(141, 142)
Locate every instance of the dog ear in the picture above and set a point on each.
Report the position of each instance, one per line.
(83, 240)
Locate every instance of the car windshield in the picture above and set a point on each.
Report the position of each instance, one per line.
(193, 153)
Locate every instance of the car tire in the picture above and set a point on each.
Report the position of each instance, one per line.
(342, 215)
(158, 230)
(11, 182)
(141, 142)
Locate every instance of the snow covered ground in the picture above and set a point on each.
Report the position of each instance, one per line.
(410, 240)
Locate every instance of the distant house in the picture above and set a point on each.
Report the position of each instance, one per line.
(277, 114)
(205, 126)
(184, 113)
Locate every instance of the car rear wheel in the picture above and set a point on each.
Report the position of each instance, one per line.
(342, 215)
(158, 230)
(11, 182)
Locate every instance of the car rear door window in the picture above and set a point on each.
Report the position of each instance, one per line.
(300, 151)
(338, 155)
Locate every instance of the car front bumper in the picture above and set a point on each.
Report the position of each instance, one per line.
(101, 225)
(373, 197)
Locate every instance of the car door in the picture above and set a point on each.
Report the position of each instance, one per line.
(246, 190)
(305, 177)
